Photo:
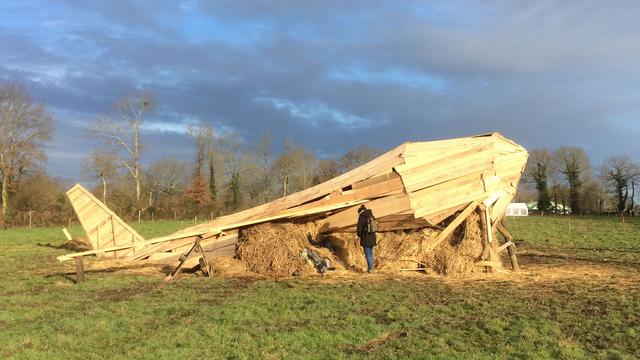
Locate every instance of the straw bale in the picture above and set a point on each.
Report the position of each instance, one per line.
(457, 255)
(226, 266)
(274, 248)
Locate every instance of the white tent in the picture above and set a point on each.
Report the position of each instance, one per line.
(517, 209)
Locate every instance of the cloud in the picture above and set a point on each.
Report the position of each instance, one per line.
(331, 75)
(316, 113)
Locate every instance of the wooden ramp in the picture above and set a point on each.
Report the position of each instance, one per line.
(415, 185)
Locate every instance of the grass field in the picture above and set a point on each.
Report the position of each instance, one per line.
(577, 296)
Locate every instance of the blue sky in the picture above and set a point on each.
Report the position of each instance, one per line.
(331, 75)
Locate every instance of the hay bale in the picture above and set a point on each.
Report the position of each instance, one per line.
(226, 266)
(274, 248)
(394, 250)
(346, 247)
(458, 255)
(403, 250)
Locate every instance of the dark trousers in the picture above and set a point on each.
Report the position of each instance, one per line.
(368, 253)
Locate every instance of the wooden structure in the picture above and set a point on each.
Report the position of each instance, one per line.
(415, 185)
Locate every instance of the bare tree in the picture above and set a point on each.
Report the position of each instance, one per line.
(202, 137)
(357, 156)
(287, 165)
(123, 136)
(263, 151)
(327, 169)
(100, 166)
(24, 129)
(198, 190)
(573, 163)
(230, 150)
(167, 176)
(620, 174)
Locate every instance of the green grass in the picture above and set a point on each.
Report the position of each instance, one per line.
(596, 238)
(44, 315)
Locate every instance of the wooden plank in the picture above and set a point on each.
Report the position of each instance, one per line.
(387, 205)
(383, 163)
(390, 186)
(80, 269)
(66, 234)
(127, 246)
(452, 226)
(439, 176)
(284, 215)
(477, 152)
(487, 216)
(505, 245)
(437, 217)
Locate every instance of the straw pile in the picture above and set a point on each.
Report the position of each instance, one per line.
(274, 248)
(458, 254)
(226, 266)
(394, 251)
(406, 250)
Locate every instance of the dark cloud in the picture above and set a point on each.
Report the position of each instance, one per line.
(331, 75)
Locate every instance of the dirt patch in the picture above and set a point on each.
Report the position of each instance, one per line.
(124, 294)
(74, 245)
(372, 345)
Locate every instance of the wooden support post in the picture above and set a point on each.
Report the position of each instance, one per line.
(452, 226)
(487, 216)
(485, 230)
(512, 254)
(98, 254)
(511, 248)
(80, 269)
(184, 257)
(113, 236)
(66, 234)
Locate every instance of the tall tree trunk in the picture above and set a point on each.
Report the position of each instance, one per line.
(104, 190)
(5, 198)
(633, 195)
(136, 159)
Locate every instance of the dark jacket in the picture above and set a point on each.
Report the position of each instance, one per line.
(366, 239)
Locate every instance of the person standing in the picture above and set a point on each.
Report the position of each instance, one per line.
(366, 230)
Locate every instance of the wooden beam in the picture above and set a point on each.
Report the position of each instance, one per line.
(127, 246)
(79, 269)
(511, 247)
(512, 256)
(453, 225)
(504, 246)
(485, 228)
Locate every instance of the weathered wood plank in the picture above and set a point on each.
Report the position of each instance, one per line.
(452, 226)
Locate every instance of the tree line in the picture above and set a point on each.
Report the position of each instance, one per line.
(225, 175)
(564, 181)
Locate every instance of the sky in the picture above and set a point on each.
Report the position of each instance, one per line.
(332, 75)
